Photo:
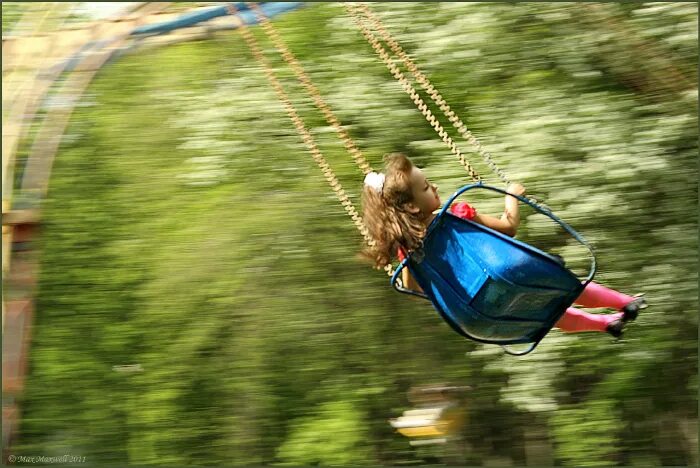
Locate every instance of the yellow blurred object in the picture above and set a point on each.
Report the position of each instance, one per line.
(437, 421)
(421, 431)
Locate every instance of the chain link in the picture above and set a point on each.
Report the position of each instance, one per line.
(294, 64)
(431, 90)
(411, 91)
(306, 136)
(425, 83)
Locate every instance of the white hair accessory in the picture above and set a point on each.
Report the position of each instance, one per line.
(375, 180)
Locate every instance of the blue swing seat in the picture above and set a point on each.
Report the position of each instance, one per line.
(488, 286)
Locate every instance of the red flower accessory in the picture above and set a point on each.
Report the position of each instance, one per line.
(463, 210)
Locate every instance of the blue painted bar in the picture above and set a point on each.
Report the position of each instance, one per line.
(270, 9)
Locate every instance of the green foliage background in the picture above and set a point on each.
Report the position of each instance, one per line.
(188, 230)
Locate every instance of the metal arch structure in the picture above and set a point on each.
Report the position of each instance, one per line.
(48, 69)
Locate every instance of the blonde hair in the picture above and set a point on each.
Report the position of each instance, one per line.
(384, 213)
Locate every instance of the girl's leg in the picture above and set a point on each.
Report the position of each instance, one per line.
(596, 295)
(575, 320)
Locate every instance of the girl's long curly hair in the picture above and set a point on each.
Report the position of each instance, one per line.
(388, 221)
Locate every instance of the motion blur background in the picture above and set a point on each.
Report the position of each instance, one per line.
(200, 300)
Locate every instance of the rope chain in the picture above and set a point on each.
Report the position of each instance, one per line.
(433, 92)
(308, 139)
(411, 91)
(313, 91)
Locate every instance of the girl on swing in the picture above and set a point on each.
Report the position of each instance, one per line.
(399, 204)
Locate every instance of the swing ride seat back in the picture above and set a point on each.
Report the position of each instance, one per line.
(488, 286)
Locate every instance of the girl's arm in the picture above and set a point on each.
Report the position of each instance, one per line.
(510, 220)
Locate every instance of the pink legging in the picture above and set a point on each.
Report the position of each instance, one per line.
(595, 295)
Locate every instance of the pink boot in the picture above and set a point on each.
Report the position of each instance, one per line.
(576, 321)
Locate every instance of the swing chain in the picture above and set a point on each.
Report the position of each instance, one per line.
(425, 83)
(411, 91)
(308, 139)
(431, 90)
(313, 91)
(354, 11)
